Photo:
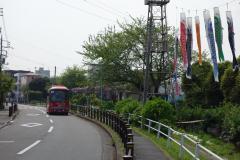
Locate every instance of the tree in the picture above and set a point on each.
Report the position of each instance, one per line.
(73, 77)
(195, 88)
(121, 55)
(6, 84)
(40, 86)
(230, 85)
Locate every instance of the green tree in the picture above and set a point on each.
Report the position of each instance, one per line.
(39, 86)
(230, 85)
(73, 77)
(6, 84)
(195, 88)
(121, 55)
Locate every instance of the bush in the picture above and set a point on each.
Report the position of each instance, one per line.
(108, 105)
(158, 109)
(79, 99)
(35, 96)
(231, 123)
(127, 106)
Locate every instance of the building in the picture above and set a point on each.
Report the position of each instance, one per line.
(43, 73)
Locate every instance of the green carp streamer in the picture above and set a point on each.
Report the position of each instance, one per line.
(218, 33)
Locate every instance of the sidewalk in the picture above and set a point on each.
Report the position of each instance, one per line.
(4, 118)
(145, 150)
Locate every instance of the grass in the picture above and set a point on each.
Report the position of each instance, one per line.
(171, 151)
(223, 149)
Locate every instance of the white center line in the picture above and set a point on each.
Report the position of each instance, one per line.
(29, 147)
(47, 116)
(51, 120)
(50, 129)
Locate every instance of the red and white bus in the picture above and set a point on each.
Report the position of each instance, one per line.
(58, 100)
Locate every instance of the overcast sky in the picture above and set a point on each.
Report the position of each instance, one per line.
(46, 33)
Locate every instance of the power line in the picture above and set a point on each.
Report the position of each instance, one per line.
(4, 24)
(87, 12)
(104, 6)
(226, 4)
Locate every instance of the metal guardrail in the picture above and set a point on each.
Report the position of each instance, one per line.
(117, 123)
(193, 148)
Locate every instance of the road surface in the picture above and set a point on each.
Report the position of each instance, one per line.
(34, 135)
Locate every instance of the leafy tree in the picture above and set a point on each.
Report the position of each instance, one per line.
(195, 88)
(39, 86)
(121, 55)
(6, 84)
(230, 86)
(73, 77)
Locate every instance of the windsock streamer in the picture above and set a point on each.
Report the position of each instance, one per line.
(211, 42)
(183, 39)
(197, 25)
(176, 85)
(231, 39)
(218, 33)
(189, 47)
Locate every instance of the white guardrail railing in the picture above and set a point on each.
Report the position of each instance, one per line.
(186, 144)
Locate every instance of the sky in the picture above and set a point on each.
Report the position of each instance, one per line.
(47, 33)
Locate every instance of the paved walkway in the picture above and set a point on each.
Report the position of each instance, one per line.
(145, 150)
(4, 118)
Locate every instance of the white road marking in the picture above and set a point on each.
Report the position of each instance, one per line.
(47, 116)
(51, 120)
(29, 147)
(50, 129)
(7, 141)
(11, 121)
(30, 125)
(33, 114)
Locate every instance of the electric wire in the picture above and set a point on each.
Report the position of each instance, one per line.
(226, 4)
(106, 6)
(102, 8)
(84, 11)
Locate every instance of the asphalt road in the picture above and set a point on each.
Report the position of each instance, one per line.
(34, 135)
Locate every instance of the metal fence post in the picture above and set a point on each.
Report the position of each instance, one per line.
(197, 150)
(169, 136)
(181, 146)
(159, 130)
(149, 125)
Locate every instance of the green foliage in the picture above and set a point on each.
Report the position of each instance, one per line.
(127, 106)
(35, 96)
(78, 99)
(158, 109)
(108, 105)
(40, 85)
(73, 77)
(230, 86)
(6, 83)
(231, 123)
(120, 54)
(195, 88)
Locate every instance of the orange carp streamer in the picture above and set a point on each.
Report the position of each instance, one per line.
(197, 24)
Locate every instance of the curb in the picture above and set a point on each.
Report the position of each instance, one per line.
(117, 155)
(9, 122)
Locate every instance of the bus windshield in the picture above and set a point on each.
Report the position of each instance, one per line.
(58, 96)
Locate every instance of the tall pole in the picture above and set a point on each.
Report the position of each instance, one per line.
(55, 72)
(148, 53)
(1, 63)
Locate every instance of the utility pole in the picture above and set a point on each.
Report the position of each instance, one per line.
(156, 44)
(1, 63)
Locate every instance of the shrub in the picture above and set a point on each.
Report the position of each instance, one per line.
(108, 105)
(158, 109)
(127, 106)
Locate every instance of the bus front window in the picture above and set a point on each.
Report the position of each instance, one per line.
(58, 96)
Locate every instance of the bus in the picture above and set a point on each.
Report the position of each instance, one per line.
(58, 100)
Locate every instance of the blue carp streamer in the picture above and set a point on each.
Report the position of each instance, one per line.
(231, 39)
(211, 42)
